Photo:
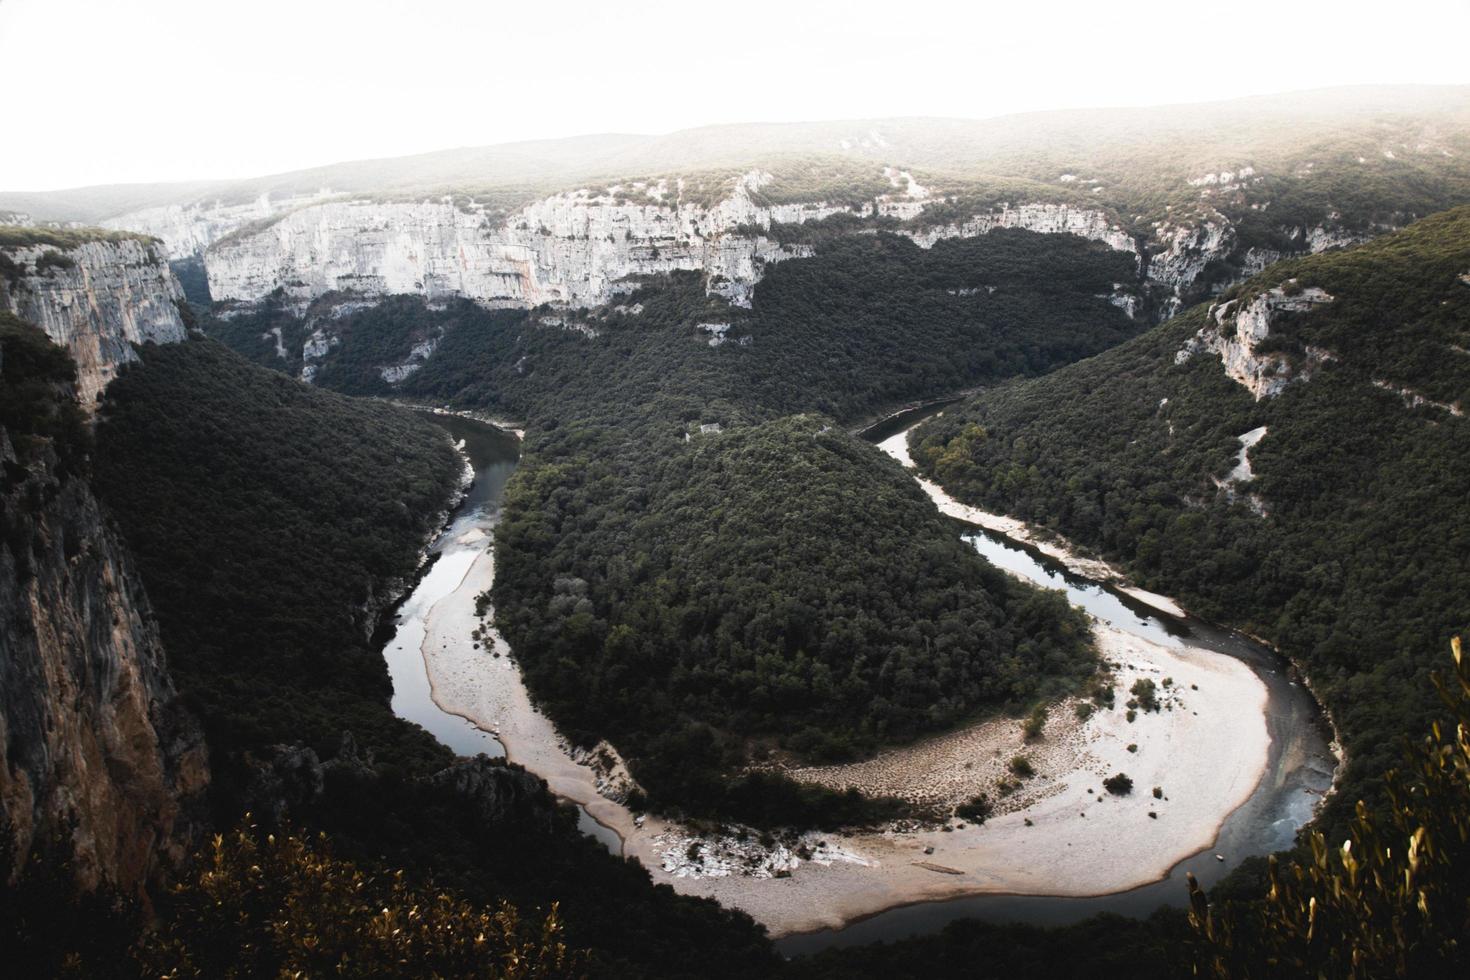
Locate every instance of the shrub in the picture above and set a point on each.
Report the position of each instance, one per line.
(1146, 693)
(49, 260)
(1035, 724)
(976, 810)
(1118, 784)
(282, 905)
(1021, 766)
(1390, 902)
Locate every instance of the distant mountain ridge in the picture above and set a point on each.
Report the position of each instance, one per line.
(1003, 145)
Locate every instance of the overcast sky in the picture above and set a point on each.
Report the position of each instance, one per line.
(105, 91)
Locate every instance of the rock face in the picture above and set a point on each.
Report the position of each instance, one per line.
(1238, 327)
(573, 249)
(97, 299)
(187, 230)
(1047, 219)
(1180, 253)
(101, 762)
(500, 792)
(585, 247)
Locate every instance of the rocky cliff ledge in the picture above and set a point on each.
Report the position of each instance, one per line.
(1236, 329)
(97, 298)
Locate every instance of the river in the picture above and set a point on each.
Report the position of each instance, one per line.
(493, 454)
(1299, 770)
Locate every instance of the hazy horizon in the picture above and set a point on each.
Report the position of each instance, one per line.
(211, 94)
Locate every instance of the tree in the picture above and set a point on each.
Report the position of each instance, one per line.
(282, 905)
(1393, 900)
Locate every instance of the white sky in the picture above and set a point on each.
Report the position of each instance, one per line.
(104, 91)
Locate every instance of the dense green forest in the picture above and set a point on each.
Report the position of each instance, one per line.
(268, 519)
(1356, 567)
(35, 374)
(774, 586)
(690, 569)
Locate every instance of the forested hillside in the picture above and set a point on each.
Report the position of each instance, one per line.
(870, 321)
(270, 521)
(1345, 541)
(773, 586)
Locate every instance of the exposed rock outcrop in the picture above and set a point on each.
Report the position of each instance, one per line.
(1047, 219)
(499, 791)
(1237, 328)
(100, 758)
(1181, 252)
(573, 249)
(188, 229)
(97, 299)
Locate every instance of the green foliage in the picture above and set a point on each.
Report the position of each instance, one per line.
(257, 905)
(1035, 724)
(12, 236)
(268, 519)
(693, 621)
(870, 322)
(1356, 566)
(1021, 766)
(976, 810)
(1392, 901)
(1145, 694)
(37, 406)
(49, 260)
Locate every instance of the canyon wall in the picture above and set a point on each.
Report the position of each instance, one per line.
(573, 249)
(96, 298)
(103, 768)
(586, 247)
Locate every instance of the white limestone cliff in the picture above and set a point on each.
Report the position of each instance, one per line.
(587, 247)
(1090, 223)
(1236, 329)
(98, 300)
(573, 249)
(188, 229)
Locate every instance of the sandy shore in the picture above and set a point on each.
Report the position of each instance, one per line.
(898, 447)
(1205, 750)
(480, 682)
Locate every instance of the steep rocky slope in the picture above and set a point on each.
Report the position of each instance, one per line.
(101, 761)
(97, 294)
